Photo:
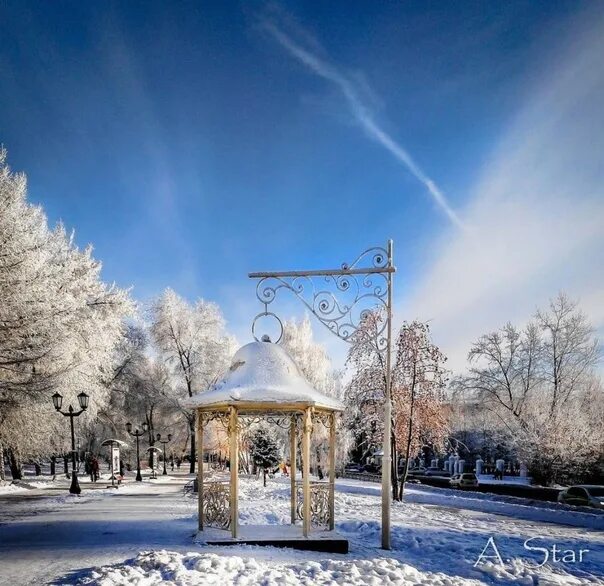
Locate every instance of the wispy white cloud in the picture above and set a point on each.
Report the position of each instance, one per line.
(535, 217)
(355, 93)
(536, 212)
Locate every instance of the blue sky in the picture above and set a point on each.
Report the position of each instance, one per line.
(192, 142)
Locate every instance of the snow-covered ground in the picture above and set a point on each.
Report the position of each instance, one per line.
(9, 487)
(144, 533)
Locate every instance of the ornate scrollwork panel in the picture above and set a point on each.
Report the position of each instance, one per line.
(282, 421)
(339, 299)
(280, 418)
(216, 504)
(326, 419)
(319, 503)
(221, 417)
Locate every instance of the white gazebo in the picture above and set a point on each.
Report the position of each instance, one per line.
(263, 382)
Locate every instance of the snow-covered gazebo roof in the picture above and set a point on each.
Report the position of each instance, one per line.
(263, 375)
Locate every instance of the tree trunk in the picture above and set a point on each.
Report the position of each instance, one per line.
(151, 432)
(409, 430)
(1, 462)
(394, 466)
(264, 476)
(192, 432)
(408, 448)
(15, 465)
(53, 466)
(405, 471)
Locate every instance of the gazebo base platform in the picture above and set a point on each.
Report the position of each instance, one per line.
(277, 536)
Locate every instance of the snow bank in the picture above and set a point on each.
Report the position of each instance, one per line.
(165, 567)
(10, 488)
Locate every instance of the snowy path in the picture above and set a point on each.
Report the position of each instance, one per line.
(43, 536)
(49, 537)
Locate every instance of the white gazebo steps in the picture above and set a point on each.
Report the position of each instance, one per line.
(277, 536)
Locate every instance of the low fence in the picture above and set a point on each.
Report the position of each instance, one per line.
(362, 476)
(540, 493)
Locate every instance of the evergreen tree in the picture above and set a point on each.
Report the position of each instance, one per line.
(264, 450)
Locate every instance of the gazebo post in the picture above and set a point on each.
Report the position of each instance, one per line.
(234, 465)
(292, 467)
(332, 469)
(307, 428)
(200, 468)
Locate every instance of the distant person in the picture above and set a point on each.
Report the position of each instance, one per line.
(88, 468)
(95, 469)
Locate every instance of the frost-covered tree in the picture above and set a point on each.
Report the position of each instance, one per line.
(540, 384)
(569, 349)
(192, 341)
(310, 356)
(316, 366)
(28, 322)
(365, 390)
(59, 323)
(418, 380)
(128, 390)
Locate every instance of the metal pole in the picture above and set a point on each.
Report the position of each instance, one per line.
(306, 428)
(332, 470)
(292, 468)
(387, 457)
(112, 465)
(234, 464)
(75, 487)
(165, 471)
(200, 471)
(139, 478)
(323, 272)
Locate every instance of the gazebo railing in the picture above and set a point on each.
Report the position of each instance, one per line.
(320, 508)
(216, 499)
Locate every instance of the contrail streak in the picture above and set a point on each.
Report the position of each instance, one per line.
(363, 115)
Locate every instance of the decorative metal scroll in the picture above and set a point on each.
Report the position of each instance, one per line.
(280, 418)
(221, 417)
(326, 419)
(216, 504)
(319, 503)
(340, 299)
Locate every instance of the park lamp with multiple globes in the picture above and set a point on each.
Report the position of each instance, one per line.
(137, 434)
(57, 401)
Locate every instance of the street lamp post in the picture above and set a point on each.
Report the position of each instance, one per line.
(57, 401)
(164, 442)
(137, 434)
(340, 299)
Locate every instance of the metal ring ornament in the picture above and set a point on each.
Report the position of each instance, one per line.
(267, 314)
